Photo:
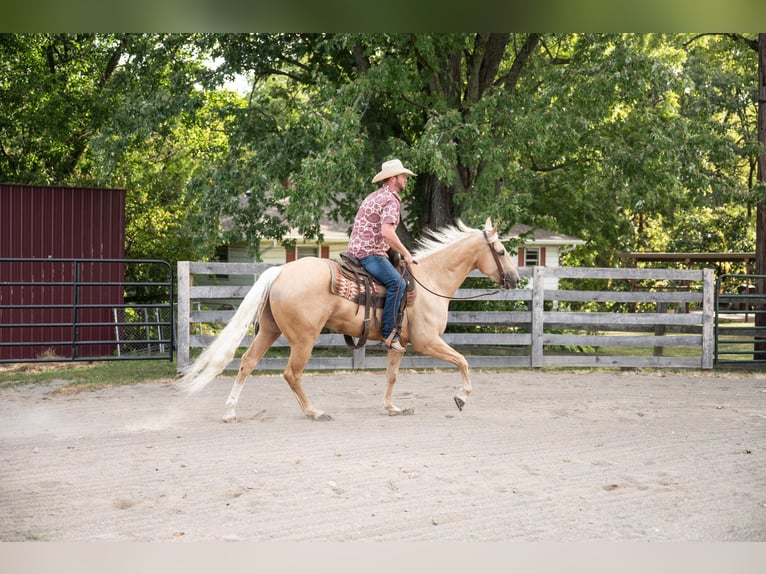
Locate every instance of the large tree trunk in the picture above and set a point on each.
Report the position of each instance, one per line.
(440, 207)
(463, 80)
(760, 217)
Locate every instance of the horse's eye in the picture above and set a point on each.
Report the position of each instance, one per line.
(501, 252)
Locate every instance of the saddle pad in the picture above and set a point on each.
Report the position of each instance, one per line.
(344, 285)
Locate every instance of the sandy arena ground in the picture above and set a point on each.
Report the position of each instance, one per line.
(534, 456)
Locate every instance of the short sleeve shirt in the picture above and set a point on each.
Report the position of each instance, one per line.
(381, 206)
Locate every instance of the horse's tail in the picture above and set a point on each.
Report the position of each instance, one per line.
(214, 359)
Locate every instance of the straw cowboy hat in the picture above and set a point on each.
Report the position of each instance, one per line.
(390, 169)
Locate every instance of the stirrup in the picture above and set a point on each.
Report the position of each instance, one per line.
(397, 346)
(392, 342)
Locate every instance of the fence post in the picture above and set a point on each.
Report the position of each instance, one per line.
(538, 298)
(183, 316)
(708, 315)
(358, 359)
(660, 329)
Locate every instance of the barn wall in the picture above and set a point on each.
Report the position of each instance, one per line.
(46, 222)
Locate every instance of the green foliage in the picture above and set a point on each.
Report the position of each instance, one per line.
(52, 99)
(599, 136)
(630, 141)
(116, 110)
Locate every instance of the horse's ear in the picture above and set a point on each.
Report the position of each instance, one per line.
(488, 225)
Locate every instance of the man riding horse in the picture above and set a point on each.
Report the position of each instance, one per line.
(374, 233)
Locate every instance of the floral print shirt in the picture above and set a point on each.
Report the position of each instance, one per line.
(381, 206)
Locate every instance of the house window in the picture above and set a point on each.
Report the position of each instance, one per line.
(301, 252)
(293, 253)
(531, 256)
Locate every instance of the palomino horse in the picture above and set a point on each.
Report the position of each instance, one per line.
(295, 300)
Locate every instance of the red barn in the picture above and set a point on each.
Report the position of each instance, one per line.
(50, 223)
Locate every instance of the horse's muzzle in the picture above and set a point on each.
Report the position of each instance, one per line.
(509, 281)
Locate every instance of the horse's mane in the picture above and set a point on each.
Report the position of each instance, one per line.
(436, 240)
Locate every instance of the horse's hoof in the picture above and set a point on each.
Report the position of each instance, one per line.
(322, 417)
(460, 402)
(230, 414)
(396, 411)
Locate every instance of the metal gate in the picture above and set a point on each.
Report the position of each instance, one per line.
(740, 326)
(64, 309)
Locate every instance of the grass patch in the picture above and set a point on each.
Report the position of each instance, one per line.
(87, 376)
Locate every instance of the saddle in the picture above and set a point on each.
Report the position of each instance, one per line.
(351, 281)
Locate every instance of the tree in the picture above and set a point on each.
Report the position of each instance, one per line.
(54, 97)
(760, 255)
(720, 148)
(165, 217)
(627, 140)
(326, 109)
(551, 129)
(113, 110)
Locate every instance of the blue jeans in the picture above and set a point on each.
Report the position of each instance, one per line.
(380, 267)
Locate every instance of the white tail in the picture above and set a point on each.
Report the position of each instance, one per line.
(214, 359)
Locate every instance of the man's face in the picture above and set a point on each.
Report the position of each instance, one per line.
(400, 181)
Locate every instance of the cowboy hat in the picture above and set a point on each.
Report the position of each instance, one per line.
(390, 169)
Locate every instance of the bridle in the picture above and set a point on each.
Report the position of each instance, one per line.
(495, 255)
(503, 275)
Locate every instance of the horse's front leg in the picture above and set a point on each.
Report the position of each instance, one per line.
(438, 349)
(392, 370)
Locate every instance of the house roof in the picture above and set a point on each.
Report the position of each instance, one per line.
(332, 232)
(335, 232)
(338, 232)
(543, 236)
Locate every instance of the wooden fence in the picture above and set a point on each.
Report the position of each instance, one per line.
(622, 317)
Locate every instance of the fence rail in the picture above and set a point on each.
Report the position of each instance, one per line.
(669, 313)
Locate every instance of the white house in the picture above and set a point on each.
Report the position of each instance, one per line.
(335, 241)
(541, 248)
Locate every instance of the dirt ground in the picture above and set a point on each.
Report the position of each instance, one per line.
(534, 456)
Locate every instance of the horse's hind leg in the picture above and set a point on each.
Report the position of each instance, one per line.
(300, 352)
(267, 334)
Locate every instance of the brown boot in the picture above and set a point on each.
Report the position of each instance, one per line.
(397, 346)
(392, 342)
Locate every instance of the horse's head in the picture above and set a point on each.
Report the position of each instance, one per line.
(495, 261)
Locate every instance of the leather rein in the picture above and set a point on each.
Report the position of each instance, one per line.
(499, 268)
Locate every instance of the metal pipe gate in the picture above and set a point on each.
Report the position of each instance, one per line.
(72, 309)
(737, 340)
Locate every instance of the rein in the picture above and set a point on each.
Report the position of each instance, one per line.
(499, 268)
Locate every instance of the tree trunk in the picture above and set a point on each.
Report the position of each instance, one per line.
(760, 217)
(438, 198)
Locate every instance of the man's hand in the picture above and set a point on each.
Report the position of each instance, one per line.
(388, 231)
